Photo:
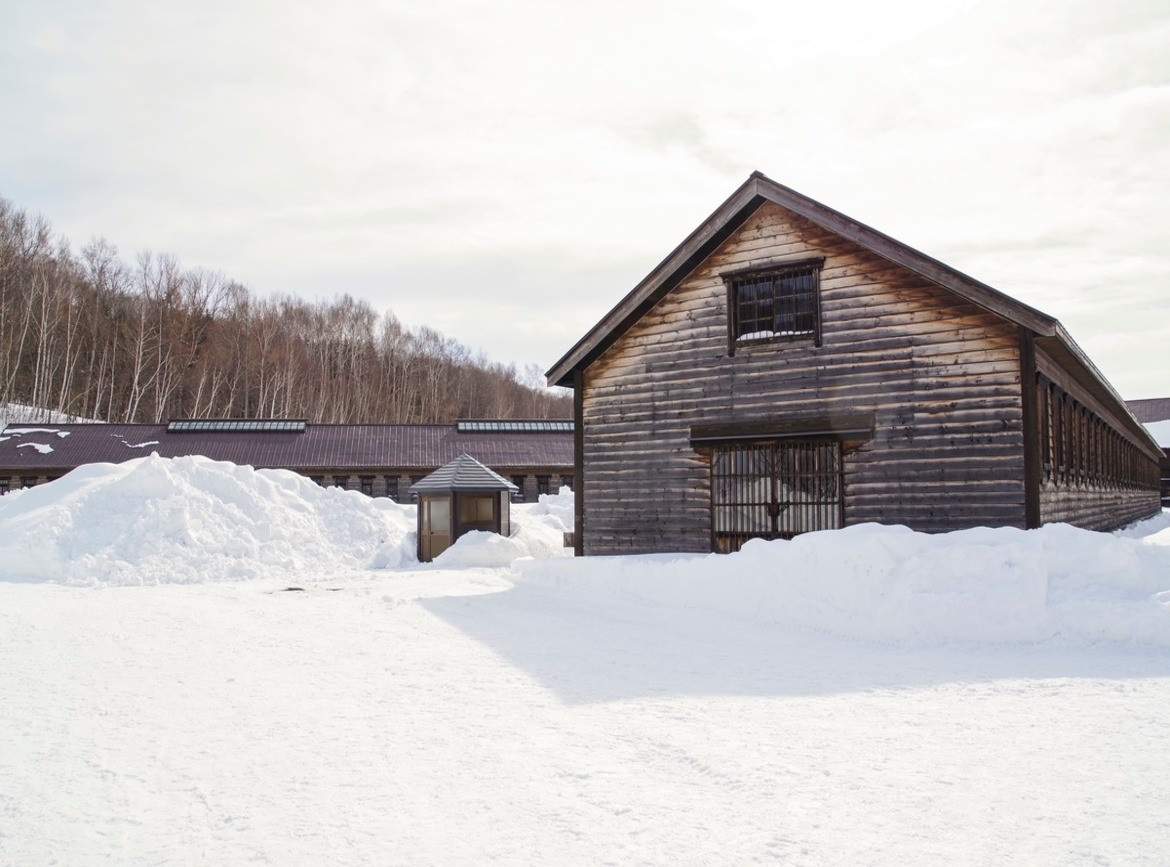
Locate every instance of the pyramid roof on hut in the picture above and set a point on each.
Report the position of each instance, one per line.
(464, 473)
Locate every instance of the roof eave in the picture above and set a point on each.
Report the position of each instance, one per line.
(756, 190)
(1101, 388)
(681, 261)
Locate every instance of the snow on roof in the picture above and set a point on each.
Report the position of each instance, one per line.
(43, 448)
(334, 446)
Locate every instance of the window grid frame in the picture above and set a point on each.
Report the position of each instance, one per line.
(800, 319)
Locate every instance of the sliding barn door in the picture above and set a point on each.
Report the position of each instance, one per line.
(774, 490)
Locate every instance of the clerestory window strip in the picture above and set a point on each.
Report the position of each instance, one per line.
(236, 425)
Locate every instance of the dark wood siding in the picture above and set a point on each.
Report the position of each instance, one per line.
(1107, 481)
(940, 375)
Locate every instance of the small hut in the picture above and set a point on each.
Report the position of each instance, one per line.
(457, 497)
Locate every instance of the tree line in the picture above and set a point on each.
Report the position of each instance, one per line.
(90, 335)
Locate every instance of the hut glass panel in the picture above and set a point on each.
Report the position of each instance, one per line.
(476, 511)
(435, 526)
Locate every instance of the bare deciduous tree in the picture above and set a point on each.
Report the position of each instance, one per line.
(88, 335)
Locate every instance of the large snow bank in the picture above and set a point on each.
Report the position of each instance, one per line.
(891, 584)
(160, 521)
(155, 520)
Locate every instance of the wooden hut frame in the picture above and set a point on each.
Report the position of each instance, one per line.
(457, 498)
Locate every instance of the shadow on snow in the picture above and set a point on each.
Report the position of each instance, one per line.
(594, 649)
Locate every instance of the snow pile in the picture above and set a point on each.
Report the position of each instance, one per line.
(554, 509)
(538, 530)
(891, 584)
(194, 520)
(187, 520)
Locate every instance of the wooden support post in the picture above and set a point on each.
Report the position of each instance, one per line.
(1031, 418)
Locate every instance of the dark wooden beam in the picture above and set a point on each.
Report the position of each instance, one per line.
(579, 463)
(1031, 417)
(838, 426)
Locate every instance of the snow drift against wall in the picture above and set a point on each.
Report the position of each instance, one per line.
(891, 584)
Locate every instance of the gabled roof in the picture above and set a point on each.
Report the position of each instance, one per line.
(733, 213)
(464, 473)
(423, 447)
(745, 201)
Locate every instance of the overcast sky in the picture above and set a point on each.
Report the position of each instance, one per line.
(506, 171)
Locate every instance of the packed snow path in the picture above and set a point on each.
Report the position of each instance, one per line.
(421, 719)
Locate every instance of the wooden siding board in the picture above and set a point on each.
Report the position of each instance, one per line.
(940, 375)
(1096, 509)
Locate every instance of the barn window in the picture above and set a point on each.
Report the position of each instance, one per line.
(518, 481)
(1079, 449)
(392, 487)
(4, 484)
(542, 484)
(774, 304)
(774, 490)
(366, 485)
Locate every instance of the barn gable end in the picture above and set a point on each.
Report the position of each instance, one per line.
(909, 395)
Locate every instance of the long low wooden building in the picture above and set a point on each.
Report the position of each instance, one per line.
(376, 459)
(788, 369)
(1154, 413)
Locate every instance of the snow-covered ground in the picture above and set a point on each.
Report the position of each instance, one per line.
(19, 413)
(868, 696)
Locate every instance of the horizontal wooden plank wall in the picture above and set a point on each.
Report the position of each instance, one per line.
(941, 376)
(1088, 504)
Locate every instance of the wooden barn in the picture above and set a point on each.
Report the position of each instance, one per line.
(788, 369)
(381, 460)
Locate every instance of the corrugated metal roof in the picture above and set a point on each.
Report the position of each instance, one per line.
(464, 473)
(321, 446)
(1151, 409)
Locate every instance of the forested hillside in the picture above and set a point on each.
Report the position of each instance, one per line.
(88, 334)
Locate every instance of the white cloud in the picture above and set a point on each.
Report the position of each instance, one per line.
(550, 154)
